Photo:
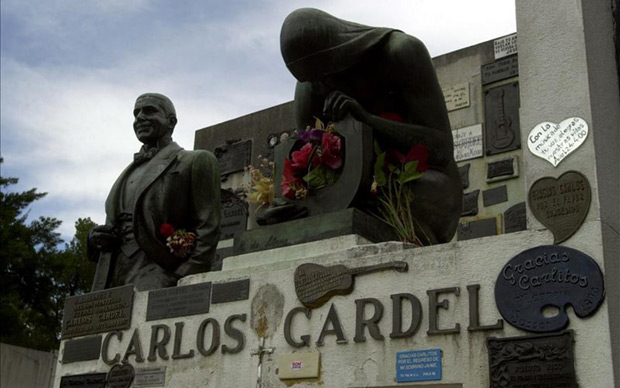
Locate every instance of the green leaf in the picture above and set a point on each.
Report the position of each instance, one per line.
(379, 174)
(317, 178)
(409, 173)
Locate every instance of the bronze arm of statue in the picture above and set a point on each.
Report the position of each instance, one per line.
(385, 79)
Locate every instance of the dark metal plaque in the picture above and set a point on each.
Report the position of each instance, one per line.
(233, 156)
(514, 218)
(315, 284)
(541, 361)
(548, 276)
(98, 312)
(220, 255)
(150, 377)
(561, 204)
(231, 291)
(464, 172)
(476, 229)
(470, 203)
(501, 105)
(234, 214)
(121, 375)
(83, 349)
(90, 380)
(502, 169)
(178, 301)
(499, 70)
(494, 196)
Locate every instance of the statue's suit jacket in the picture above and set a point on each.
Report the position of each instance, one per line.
(178, 187)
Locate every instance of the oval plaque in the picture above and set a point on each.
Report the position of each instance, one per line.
(548, 276)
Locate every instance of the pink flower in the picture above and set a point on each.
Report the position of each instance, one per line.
(290, 182)
(166, 230)
(301, 158)
(332, 150)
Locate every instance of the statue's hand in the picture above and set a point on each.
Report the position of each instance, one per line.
(104, 237)
(338, 105)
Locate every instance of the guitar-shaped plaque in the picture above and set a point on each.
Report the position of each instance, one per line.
(504, 135)
(316, 284)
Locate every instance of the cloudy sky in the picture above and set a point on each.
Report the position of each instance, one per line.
(71, 70)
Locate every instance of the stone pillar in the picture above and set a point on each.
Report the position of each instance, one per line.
(567, 68)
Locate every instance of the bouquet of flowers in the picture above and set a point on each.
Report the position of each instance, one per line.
(180, 242)
(394, 176)
(261, 189)
(316, 164)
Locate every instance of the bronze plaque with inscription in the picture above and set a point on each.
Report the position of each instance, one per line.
(98, 312)
(541, 361)
(82, 349)
(179, 301)
(548, 277)
(561, 204)
(89, 380)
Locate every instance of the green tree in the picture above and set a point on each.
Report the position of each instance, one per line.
(36, 275)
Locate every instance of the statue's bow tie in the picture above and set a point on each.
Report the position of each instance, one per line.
(144, 156)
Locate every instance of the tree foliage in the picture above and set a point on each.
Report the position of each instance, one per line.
(36, 275)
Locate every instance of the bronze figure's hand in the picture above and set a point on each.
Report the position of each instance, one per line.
(338, 105)
(104, 238)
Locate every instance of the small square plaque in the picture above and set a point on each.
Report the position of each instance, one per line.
(467, 142)
(150, 377)
(298, 365)
(418, 365)
(495, 195)
(470, 203)
(503, 169)
(457, 97)
(82, 349)
(179, 301)
(476, 229)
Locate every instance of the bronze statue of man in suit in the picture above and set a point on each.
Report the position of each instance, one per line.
(164, 189)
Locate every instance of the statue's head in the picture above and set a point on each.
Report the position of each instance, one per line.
(315, 44)
(154, 117)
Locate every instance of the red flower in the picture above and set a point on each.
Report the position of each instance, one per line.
(289, 181)
(332, 150)
(300, 158)
(166, 230)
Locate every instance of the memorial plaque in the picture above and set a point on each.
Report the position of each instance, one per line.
(234, 214)
(98, 312)
(150, 377)
(499, 70)
(233, 156)
(464, 172)
(315, 284)
(501, 112)
(299, 366)
(231, 291)
(541, 361)
(476, 229)
(554, 142)
(505, 46)
(457, 97)
(561, 204)
(467, 142)
(121, 375)
(470, 203)
(503, 169)
(178, 301)
(83, 349)
(548, 277)
(418, 365)
(514, 218)
(494, 196)
(90, 380)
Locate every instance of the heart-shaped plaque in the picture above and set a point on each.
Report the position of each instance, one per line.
(554, 142)
(121, 375)
(561, 204)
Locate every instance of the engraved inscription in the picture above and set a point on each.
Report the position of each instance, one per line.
(91, 380)
(470, 203)
(514, 218)
(457, 97)
(179, 301)
(499, 70)
(467, 142)
(554, 142)
(98, 312)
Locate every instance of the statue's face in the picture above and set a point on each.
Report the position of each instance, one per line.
(151, 122)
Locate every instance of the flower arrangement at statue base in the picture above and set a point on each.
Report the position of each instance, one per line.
(261, 190)
(395, 174)
(180, 242)
(316, 165)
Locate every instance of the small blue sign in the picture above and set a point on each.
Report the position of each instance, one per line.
(418, 365)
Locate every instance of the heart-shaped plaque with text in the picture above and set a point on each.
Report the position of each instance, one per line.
(554, 142)
(121, 375)
(561, 204)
